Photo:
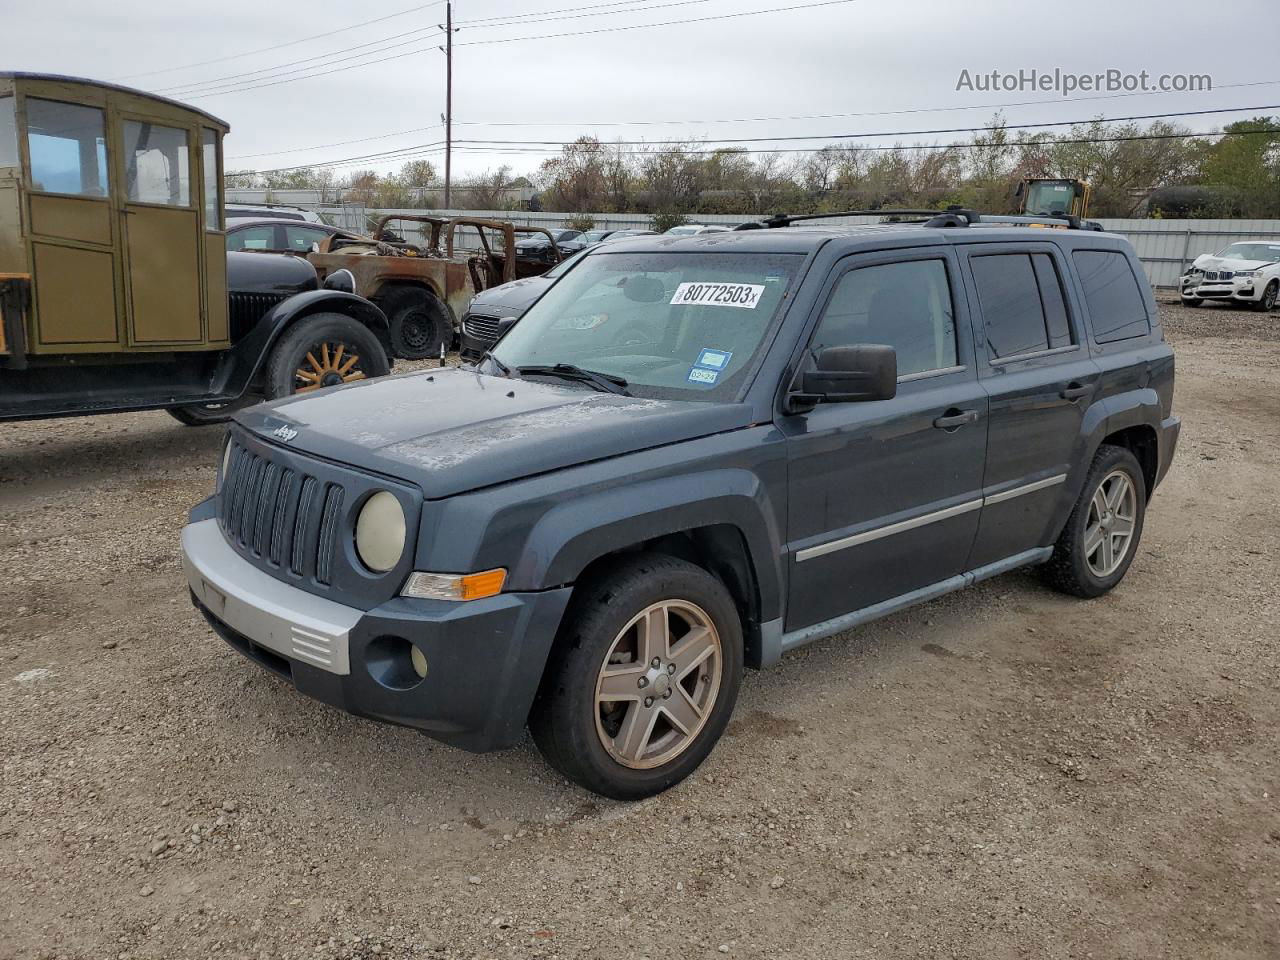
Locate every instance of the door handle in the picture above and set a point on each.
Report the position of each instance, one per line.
(1075, 391)
(954, 419)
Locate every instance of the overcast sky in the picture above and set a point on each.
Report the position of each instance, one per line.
(864, 56)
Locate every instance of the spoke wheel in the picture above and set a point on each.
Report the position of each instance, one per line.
(658, 684)
(1109, 530)
(328, 364)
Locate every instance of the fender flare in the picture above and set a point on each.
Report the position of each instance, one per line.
(1136, 408)
(247, 357)
(572, 535)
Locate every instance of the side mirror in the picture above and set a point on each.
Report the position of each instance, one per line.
(852, 374)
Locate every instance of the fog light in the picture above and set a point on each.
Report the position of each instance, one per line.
(419, 661)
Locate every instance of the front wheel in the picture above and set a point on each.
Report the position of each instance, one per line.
(1101, 537)
(324, 350)
(1267, 302)
(643, 678)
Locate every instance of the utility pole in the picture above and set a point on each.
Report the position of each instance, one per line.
(448, 104)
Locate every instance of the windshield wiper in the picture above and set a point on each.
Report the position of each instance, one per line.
(488, 355)
(604, 382)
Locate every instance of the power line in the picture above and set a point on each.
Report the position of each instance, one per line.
(516, 148)
(288, 43)
(895, 133)
(639, 26)
(840, 116)
(667, 23)
(827, 116)
(208, 86)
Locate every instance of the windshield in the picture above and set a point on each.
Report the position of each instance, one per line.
(673, 325)
(594, 236)
(1252, 251)
(1050, 197)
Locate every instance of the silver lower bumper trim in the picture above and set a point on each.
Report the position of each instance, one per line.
(271, 613)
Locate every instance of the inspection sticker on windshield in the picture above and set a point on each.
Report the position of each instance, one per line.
(713, 359)
(745, 295)
(698, 375)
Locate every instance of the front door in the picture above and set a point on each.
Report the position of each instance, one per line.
(162, 233)
(72, 227)
(1039, 377)
(884, 496)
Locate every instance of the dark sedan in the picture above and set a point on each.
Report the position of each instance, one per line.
(278, 236)
(481, 319)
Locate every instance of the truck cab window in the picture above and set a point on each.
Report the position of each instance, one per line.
(68, 148)
(158, 163)
(8, 134)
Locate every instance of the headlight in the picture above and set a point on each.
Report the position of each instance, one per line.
(380, 532)
(1247, 274)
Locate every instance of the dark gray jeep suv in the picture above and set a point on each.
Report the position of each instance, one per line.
(691, 456)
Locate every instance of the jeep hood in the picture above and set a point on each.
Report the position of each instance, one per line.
(452, 430)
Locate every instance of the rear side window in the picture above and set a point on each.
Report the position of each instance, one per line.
(1023, 308)
(1116, 305)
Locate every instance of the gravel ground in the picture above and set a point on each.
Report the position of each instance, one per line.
(1005, 772)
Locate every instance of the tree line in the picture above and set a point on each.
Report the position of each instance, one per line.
(1134, 169)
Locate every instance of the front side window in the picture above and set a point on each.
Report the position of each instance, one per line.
(253, 238)
(300, 239)
(906, 306)
(1116, 305)
(8, 133)
(673, 325)
(1023, 308)
(212, 178)
(68, 148)
(157, 164)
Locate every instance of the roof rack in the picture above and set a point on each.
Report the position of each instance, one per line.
(950, 217)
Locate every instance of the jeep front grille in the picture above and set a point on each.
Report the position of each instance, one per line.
(269, 510)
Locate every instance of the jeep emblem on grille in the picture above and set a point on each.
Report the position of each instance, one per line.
(284, 433)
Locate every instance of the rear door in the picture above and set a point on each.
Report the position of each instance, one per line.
(884, 496)
(1034, 364)
(162, 232)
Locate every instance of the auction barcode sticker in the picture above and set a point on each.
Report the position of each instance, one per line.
(745, 295)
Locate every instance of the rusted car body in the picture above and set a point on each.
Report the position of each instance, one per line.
(425, 286)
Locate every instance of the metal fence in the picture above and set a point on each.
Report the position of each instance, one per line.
(1163, 246)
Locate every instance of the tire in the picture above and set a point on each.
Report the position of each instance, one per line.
(207, 414)
(420, 323)
(1077, 566)
(1267, 302)
(582, 736)
(316, 352)
(1191, 301)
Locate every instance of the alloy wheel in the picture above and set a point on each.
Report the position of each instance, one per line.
(658, 684)
(1112, 519)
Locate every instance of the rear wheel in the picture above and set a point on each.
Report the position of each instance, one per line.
(1101, 537)
(1267, 302)
(324, 350)
(420, 323)
(643, 678)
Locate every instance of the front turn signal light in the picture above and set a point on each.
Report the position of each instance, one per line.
(455, 586)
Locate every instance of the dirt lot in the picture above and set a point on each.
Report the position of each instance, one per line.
(1002, 773)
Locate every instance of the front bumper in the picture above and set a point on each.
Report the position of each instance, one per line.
(1246, 291)
(484, 657)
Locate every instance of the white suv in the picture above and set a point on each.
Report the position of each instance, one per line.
(1248, 272)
